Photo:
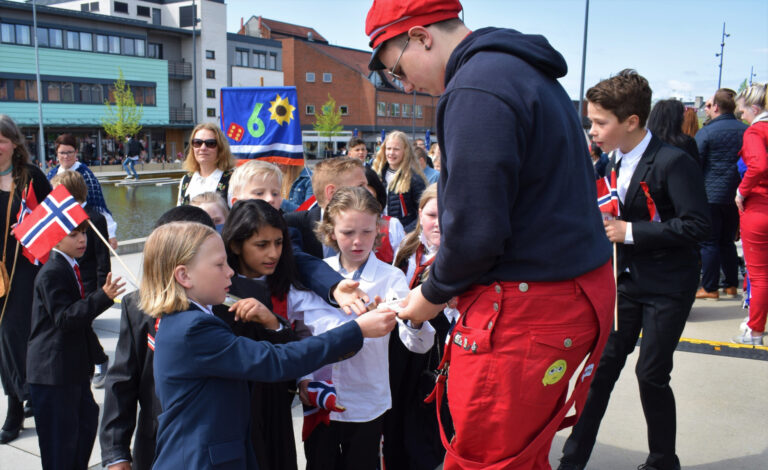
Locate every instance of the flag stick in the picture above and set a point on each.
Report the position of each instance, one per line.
(616, 281)
(118, 256)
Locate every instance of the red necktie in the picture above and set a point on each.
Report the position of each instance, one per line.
(79, 281)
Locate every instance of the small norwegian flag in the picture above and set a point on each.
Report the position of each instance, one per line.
(607, 195)
(308, 204)
(28, 204)
(50, 222)
(322, 395)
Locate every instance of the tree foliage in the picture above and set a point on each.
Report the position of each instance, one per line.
(328, 122)
(123, 117)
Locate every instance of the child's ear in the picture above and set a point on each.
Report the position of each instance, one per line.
(330, 189)
(235, 247)
(633, 122)
(181, 275)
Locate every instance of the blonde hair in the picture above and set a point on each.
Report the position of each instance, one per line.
(224, 159)
(411, 241)
(754, 95)
(169, 246)
(329, 171)
(347, 199)
(74, 182)
(434, 154)
(290, 174)
(250, 170)
(211, 197)
(401, 183)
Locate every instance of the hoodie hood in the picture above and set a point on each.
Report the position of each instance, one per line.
(531, 48)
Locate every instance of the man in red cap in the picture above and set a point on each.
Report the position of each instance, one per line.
(523, 245)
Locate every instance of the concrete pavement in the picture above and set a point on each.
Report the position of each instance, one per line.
(721, 403)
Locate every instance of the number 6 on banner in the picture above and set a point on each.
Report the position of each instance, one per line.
(254, 120)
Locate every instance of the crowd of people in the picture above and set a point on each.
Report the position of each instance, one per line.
(369, 289)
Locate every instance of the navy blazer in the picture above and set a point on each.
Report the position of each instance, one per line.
(201, 378)
(58, 351)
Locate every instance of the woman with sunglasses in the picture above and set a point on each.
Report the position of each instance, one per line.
(209, 164)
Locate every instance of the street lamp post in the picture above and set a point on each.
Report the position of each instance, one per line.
(583, 62)
(41, 137)
(722, 47)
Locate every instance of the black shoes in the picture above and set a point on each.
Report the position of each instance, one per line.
(28, 411)
(14, 421)
(7, 436)
(570, 466)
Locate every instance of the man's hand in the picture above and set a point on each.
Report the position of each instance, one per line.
(350, 298)
(615, 230)
(251, 309)
(303, 392)
(417, 309)
(120, 466)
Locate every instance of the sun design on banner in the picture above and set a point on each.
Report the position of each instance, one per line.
(281, 110)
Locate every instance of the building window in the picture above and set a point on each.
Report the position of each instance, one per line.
(42, 37)
(381, 108)
(6, 32)
(97, 94)
(327, 77)
(344, 110)
(210, 112)
(394, 109)
(102, 43)
(140, 47)
(417, 111)
(406, 110)
(54, 91)
(22, 34)
(272, 61)
(56, 38)
(210, 54)
(73, 40)
(121, 7)
(129, 46)
(114, 45)
(85, 94)
(84, 6)
(260, 59)
(210, 73)
(142, 11)
(155, 50)
(67, 92)
(311, 77)
(241, 57)
(86, 42)
(149, 96)
(94, 6)
(210, 93)
(4, 89)
(310, 111)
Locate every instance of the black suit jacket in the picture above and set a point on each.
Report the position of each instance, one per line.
(58, 351)
(95, 263)
(664, 256)
(305, 222)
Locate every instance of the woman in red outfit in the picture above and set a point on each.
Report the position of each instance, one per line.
(752, 200)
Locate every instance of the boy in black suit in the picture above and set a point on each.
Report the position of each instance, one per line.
(95, 264)
(59, 355)
(663, 216)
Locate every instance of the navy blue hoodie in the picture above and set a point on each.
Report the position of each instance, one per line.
(517, 197)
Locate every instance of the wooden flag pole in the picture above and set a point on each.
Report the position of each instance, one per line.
(136, 281)
(616, 281)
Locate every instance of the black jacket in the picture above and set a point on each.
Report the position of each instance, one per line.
(664, 256)
(517, 196)
(404, 206)
(305, 222)
(95, 263)
(58, 351)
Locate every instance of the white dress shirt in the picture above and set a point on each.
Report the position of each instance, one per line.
(362, 381)
(199, 185)
(627, 163)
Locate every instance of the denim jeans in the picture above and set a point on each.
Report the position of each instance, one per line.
(129, 166)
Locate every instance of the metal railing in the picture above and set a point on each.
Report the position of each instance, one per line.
(180, 114)
(179, 69)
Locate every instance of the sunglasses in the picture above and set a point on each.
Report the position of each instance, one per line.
(210, 143)
(391, 72)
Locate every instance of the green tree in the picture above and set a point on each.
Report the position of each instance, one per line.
(743, 86)
(328, 122)
(123, 117)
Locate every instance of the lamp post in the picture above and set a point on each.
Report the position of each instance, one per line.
(41, 137)
(722, 47)
(752, 74)
(583, 62)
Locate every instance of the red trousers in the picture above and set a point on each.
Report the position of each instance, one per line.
(754, 241)
(512, 355)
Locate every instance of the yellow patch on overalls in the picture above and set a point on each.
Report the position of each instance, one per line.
(555, 372)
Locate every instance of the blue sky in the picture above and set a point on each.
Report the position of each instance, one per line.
(671, 42)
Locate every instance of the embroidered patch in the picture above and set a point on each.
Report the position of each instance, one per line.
(587, 372)
(555, 372)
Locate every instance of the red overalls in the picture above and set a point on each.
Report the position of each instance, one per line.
(512, 354)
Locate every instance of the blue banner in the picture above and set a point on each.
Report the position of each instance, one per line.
(263, 123)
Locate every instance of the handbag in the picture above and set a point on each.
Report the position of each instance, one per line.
(5, 284)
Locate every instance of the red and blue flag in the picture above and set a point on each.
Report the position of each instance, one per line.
(607, 195)
(322, 396)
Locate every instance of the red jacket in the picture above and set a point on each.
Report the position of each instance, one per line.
(755, 156)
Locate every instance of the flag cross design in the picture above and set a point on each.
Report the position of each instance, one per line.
(51, 221)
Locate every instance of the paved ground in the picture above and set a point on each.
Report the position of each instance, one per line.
(722, 403)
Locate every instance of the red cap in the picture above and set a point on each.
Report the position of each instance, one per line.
(389, 18)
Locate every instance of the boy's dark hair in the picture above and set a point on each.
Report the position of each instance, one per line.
(185, 214)
(375, 182)
(246, 218)
(74, 182)
(422, 154)
(725, 99)
(624, 94)
(354, 142)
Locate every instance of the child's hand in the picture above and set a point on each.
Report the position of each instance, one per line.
(251, 309)
(113, 288)
(304, 393)
(375, 304)
(376, 323)
(350, 298)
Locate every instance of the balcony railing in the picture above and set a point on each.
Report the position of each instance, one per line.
(179, 70)
(180, 115)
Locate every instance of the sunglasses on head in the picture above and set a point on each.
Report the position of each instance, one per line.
(210, 143)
